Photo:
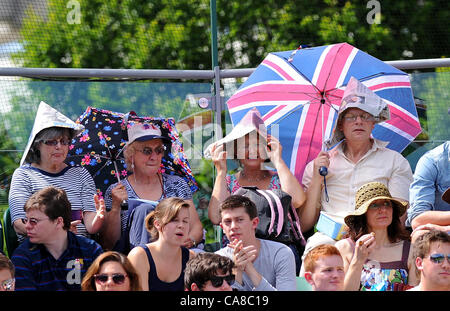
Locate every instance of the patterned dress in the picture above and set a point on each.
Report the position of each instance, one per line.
(386, 276)
(233, 184)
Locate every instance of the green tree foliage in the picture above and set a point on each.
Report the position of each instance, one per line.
(8, 163)
(163, 34)
(175, 34)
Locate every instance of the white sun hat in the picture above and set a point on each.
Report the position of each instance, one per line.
(252, 121)
(47, 117)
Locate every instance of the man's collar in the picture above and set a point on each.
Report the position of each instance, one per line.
(377, 144)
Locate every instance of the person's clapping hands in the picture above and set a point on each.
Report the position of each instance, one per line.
(243, 255)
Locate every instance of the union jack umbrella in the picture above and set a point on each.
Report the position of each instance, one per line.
(300, 92)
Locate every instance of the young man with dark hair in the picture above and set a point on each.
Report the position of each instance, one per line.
(261, 265)
(209, 272)
(51, 257)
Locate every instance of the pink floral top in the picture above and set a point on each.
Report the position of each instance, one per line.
(233, 184)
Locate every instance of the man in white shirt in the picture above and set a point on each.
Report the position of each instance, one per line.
(357, 159)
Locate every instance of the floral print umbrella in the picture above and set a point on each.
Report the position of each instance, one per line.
(99, 148)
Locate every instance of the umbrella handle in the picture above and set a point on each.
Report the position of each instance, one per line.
(323, 171)
(124, 205)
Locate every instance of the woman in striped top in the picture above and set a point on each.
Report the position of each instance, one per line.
(44, 166)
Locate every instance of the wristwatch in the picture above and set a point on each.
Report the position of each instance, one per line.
(193, 243)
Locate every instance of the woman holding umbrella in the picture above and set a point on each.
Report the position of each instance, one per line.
(43, 165)
(377, 255)
(143, 155)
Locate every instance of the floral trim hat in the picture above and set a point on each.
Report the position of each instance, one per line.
(144, 132)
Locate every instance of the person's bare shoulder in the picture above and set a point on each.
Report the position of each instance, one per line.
(136, 253)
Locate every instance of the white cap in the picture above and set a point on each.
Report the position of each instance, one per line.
(144, 132)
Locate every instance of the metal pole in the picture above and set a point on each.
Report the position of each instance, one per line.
(218, 104)
(216, 68)
(179, 74)
(107, 73)
(214, 34)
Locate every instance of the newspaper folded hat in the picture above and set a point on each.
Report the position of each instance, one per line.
(252, 121)
(357, 95)
(47, 117)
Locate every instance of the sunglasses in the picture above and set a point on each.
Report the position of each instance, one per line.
(118, 278)
(217, 281)
(54, 142)
(149, 151)
(32, 221)
(439, 258)
(7, 285)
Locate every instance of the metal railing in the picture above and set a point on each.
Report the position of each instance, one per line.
(215, 75)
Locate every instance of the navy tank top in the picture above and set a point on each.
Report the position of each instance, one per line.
(155, 284)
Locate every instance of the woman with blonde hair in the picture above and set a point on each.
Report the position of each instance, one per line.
(111, 271)
(161, 263)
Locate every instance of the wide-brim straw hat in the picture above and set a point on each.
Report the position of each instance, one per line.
(369, 193)
(47, 117)
(252, 121)
(357, 95)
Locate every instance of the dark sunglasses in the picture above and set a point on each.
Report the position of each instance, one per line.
(7, 285)
(32, 221)
(439, 258)
(117, 278)
(217, 281)
(54, 142)
(149, 151)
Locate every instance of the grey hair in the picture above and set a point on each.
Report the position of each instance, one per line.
(34, 155)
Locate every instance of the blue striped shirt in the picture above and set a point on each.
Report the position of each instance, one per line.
(76, 181)
(37, 269)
